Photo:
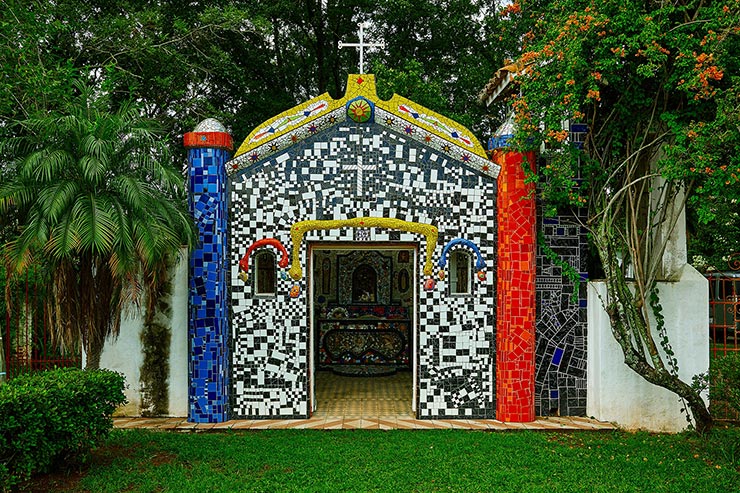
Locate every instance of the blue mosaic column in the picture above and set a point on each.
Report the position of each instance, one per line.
(209, 149)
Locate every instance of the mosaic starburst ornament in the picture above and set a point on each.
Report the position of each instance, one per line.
(359, 111)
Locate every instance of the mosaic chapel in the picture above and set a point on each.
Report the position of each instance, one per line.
(366, 237)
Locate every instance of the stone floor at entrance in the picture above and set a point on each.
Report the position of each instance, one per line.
(344, 396)
(380, 403)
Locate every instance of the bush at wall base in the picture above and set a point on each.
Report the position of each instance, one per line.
(725, 380)
(54, 417)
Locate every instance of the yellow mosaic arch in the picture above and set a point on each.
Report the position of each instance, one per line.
(299, 229)
(398, 114)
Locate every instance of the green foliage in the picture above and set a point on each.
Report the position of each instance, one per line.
(410, 82)
(99, 204)
(660, 329)
(724, 375)
(708, 153)
(455, 43)
(53, 418)
(239, 61)
(643, 75)
(657, 85)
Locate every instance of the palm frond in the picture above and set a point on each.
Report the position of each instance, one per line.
(17, 193)
(64, 240)
(133, 191)
(92, 168)
(47, 164)
(146, 244)
(94, 224)
(58, 198)
(99, 201)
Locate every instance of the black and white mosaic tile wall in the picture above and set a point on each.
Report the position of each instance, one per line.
(560, 382)
(353, 171)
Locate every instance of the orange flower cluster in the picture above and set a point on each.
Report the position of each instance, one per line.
(522, 115)
(707, 71)
(619, 51)
(576, 199)
(547, 52)
(665, 51)
(511, 9)
(593, 94)
(560, 135)
(707, 170)
(583, 21)
(528, 57)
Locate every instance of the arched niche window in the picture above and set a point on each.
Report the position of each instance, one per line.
(364, 284)
(461, 270)
(266, 273)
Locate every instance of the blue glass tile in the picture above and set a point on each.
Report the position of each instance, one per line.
(557, 356)
(578, 127)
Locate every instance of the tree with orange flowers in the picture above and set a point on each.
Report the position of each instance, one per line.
(658, 84)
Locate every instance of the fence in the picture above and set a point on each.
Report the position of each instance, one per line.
(26, 340)
(724, 312)
(724, 323)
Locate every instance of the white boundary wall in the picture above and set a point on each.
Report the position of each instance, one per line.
(619, 395)
(125, 353)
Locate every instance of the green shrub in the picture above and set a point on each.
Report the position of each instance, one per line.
(54, 417)
(725, 380)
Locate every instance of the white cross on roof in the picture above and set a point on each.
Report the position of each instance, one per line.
(362, 45)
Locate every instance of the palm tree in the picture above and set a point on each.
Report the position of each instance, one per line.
(95, 199)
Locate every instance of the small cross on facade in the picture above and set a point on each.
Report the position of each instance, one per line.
(362, 45)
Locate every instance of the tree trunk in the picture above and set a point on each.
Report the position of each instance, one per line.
(703, 421)
(92, 352)
(629, 324)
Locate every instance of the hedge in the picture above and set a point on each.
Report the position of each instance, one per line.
(54, 417)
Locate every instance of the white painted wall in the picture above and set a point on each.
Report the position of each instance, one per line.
(125, 353)
(619, 395)
(178, 389)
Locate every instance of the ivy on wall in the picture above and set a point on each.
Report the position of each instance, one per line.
(155, 341)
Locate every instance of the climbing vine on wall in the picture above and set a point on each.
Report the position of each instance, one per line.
(567, 270)
(155, 341)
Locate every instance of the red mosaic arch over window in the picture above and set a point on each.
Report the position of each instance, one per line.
(515, 326)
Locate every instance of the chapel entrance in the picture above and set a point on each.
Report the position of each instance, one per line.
(363, 320)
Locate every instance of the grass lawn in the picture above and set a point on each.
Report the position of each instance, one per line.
(403, 460)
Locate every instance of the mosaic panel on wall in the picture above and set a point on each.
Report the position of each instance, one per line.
(560, 383)
(351, 170)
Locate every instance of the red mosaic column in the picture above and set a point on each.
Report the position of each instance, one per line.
(516, 266)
